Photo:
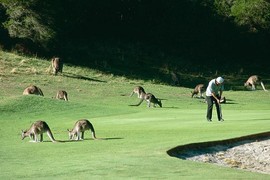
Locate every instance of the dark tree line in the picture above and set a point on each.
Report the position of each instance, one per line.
(193, 30)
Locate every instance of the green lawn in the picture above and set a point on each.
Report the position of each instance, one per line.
(135, 139)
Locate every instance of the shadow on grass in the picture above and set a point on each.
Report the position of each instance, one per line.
(146, 106)
(75, 76)
(86, 139)
(172, 107)
(230, 103)
(266, 119)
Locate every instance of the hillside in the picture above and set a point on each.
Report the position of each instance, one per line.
(134, 140)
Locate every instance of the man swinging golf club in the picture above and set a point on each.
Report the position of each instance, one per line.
(213, 93)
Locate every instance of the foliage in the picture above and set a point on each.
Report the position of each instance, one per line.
(223, 7)
(254, 14)
(26, 23)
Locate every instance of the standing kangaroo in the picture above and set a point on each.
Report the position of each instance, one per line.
(62, 95)
(57, 65)
(199, 89)
(253, 80)
(149, 98)
(79, 127)
(139, 91)
(175, 79)
(38, 127)
(33, 90)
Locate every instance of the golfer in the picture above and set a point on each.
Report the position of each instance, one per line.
(213, 94)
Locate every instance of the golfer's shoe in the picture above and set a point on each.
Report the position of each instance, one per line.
(209, 120)
(221, 120)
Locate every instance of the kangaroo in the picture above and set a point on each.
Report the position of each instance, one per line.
(199, 89)
(38, 127)
(79, 127)
(62, 95)
(175, 79)
(139, 91)
(150, 98)
(57, 65)
(252, 81)
(33, 90)
(223, 100)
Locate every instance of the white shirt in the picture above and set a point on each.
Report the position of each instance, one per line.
(213, 88)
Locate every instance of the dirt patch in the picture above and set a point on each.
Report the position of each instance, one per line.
(251, 152)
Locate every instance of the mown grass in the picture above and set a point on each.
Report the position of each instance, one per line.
(135, 138)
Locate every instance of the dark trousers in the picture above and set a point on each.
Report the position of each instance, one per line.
(210, 101)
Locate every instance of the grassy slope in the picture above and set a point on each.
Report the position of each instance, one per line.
(137, 138)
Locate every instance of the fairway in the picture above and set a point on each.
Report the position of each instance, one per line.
(134, 139)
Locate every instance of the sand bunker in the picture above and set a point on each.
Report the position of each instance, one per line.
(251, 152)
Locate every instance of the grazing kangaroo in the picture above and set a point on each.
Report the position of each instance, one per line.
(38, 127)
(223, 100)
(57, 65)
(33, 90)
(150, 98)
(253, 80)
(79, 127)
(199, 89)
(139, 91)
(62, 95)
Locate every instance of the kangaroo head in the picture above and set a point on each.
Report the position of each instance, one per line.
(23, 134)
(71, 134)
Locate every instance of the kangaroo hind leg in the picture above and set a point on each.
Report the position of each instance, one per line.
(41, 137)
(82, 135)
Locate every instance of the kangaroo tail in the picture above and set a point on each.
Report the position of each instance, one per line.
(49, 133)
(263, 86)
(139, 103)
(92, 131)
(66, 98)
(40, 92)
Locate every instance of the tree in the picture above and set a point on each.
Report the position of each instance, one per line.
(25, 23)
(253, 14)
